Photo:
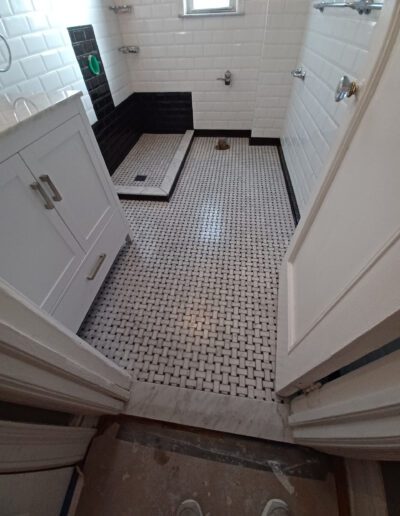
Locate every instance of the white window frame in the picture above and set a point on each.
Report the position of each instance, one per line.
(188, 9)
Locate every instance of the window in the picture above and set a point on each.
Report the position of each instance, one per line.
(210, 6)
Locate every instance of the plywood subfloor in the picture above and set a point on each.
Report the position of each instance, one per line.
(140, 468)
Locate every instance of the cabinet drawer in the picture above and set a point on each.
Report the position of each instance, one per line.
(76, 301)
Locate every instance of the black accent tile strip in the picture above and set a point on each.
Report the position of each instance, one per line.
(265, 141)
(289, 186)
(138, 197)
(232, 133)
(84, 44)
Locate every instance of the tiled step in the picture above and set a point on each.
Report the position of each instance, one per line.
(165, 190)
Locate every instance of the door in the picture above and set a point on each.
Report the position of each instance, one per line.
(66, 165)
(340, 286)
(43, 364)
(38, 254)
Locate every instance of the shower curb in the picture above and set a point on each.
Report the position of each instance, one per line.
(165, 191)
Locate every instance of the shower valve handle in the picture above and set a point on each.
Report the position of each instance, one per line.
(227, 78)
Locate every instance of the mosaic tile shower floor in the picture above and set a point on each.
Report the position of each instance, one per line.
(150, 157)
(192, 303)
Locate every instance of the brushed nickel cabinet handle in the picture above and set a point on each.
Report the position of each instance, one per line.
(37, 187)
(96, 267)
(56, 194)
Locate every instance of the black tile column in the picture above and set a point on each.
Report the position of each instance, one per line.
(84, 44)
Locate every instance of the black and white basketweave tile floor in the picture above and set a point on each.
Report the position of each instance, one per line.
(192, 303)
(149, 158)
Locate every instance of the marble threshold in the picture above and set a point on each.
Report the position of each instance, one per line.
(236, 415)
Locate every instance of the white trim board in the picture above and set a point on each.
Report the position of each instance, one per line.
(357, 415)
(235, 415)
(31, 447)
(44, 364)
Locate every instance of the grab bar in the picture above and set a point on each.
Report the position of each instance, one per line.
(8, 65)
(361, 6)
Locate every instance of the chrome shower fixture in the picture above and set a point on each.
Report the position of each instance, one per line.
(361, 6)
(129, 49)
(119, 9)
(227, 78)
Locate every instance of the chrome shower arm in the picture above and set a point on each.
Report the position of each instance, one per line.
(361, 6)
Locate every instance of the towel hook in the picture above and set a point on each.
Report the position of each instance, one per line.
(8, 65)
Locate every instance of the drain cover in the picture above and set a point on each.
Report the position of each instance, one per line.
(140, 178)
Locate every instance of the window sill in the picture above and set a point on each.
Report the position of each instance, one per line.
(202, 15)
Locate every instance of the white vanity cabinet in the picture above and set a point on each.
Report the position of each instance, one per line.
(38, 254)
(61, 223)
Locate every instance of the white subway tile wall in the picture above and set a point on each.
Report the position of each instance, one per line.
(336, 42)
(43, 59)
(186, 54)
(286, 22)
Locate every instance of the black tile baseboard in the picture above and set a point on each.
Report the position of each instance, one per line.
(264, 141)
(228, 133)
(289, 186)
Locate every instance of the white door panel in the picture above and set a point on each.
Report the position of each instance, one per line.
(65, 155)
(339, 288)
(38, 254)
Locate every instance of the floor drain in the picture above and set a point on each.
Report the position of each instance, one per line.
(140, 178)
(222, 144)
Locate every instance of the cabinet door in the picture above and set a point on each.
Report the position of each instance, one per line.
(38, 254)
(66, 165)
